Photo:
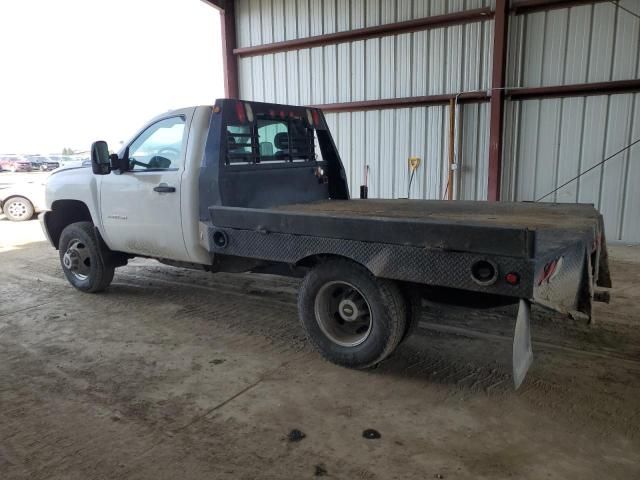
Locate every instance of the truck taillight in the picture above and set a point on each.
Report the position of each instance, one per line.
(512, 278)
(316, 118)
(242, 117)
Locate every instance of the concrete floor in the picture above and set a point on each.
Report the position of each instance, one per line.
(175, 374)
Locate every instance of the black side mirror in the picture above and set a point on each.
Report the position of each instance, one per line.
(121, 164)
(100, 161)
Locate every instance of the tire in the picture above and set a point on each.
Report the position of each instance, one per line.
(413, 305)
(81, 259)
(338, 286)
(18, 209)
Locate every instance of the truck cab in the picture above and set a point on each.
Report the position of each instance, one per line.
(145, 209)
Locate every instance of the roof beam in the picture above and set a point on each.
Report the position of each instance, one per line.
(575, 90)
(219, 4)
(529, 6)
(405, 102)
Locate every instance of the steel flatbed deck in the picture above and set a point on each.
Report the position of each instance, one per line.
(507, 228)
(431, 242)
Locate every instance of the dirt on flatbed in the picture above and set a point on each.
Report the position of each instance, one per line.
(180, 374)
(505, 214)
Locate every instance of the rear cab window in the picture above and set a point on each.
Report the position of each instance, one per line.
(270, 140)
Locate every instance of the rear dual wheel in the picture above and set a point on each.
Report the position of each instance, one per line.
(351, 317)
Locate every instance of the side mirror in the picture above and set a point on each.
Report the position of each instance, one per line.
(100, 161)
(121, 164)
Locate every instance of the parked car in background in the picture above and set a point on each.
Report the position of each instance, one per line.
(65, 161)
(44, 164)
(22, 201)
(15, 164)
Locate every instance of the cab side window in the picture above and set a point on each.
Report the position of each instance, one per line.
(159, 147)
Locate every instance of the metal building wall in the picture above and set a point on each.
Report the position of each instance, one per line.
(436, 61)
(385, 139)
(546, 141)
(550, 141)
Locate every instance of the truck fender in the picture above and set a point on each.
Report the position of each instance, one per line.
(62, 214)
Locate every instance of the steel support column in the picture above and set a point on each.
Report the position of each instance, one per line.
(229, 60)
(497, 99)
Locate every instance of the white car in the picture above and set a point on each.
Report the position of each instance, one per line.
(22, 201)
(66, 161)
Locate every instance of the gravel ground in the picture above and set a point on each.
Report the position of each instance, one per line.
(179, 374)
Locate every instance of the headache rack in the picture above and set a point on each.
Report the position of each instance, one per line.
(270, 139)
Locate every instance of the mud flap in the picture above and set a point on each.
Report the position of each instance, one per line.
(522, 353)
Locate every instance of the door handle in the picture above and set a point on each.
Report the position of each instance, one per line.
(164, 188)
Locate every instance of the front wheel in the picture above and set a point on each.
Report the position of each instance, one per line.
(82, 263)
(351, 317)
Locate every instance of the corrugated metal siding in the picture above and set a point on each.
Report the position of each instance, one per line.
(589, 43)
(291, 19)
(442, 60)
(558, 138)
(385, 139)
(549, 141)
(546, 141)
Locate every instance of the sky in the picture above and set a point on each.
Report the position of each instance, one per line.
(76, 71)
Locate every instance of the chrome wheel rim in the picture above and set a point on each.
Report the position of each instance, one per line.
(343, 313)
(77, 260)
(18, 209)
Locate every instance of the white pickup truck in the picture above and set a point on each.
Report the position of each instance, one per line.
(246, 186)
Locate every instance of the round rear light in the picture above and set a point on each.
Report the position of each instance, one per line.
(220, 239)
(484, 272)
(512, 278)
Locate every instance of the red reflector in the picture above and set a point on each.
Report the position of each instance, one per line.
(316, 118)
(242, 117)
(512, 278)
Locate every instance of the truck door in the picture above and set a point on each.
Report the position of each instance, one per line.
(141, 208)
